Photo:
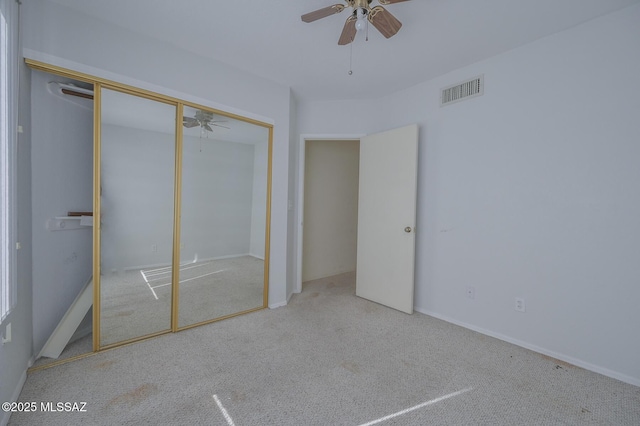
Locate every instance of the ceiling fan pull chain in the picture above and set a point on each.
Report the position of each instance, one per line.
(366, 31)
(351, 57)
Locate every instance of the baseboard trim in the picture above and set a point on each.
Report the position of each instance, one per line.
(559, 356)
(278, 304)
(14, 398)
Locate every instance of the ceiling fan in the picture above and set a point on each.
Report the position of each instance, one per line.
(204, 119)
(379, 17)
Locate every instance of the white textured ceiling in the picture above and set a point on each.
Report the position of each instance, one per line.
(268, 38)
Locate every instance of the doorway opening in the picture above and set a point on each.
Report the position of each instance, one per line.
(385, 226)
(328, 213)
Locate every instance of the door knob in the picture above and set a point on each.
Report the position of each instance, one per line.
(407, 229)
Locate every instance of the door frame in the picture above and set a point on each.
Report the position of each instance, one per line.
(299, 229)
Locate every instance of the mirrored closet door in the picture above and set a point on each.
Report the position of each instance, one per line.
(223, 233)
(137, 187)
(181, 211)
(161, 159)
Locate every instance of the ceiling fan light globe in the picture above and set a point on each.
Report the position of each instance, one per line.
(360, 24)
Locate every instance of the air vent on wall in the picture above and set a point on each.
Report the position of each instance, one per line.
(461, 91)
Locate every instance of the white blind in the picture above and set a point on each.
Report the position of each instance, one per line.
(8, 139)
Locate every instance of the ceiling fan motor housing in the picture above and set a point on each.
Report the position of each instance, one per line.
(204, 116)
(362, 12)
(357, 4)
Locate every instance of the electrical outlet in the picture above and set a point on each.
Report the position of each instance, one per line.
(520, 307)
(471, 292)
(154, 248)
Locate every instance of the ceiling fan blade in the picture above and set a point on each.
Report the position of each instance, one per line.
(385, 2)
(206, 126)
(322, 13)
(384, 21)
(220, 125)
(189, 122)
(349, 31)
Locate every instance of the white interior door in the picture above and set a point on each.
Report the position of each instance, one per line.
(386, 217)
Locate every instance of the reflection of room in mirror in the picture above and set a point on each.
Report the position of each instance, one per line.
(223, 217)
(221, 127)
(128, 310)
(223, 220)
(221, 287)
(220, 259)
(204, 121)
(137, 172)
(208, 289)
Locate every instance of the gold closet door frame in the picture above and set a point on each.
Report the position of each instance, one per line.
(98, 84)
(97, 224)
(97, 213)
(267, 237)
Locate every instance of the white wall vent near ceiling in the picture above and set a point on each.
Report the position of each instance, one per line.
(461, 91)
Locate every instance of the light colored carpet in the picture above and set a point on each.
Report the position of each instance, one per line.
(78, 347)
(328, 358)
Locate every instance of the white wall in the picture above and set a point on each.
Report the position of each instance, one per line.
(531, 190)
(292, 206)
(339, 117)
(330, 208)
(62, 175)
(52, 34)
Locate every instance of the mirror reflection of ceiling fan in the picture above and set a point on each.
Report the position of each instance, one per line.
(362, 13)
(204, 119)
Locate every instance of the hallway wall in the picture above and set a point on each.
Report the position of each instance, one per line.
(330, 208)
